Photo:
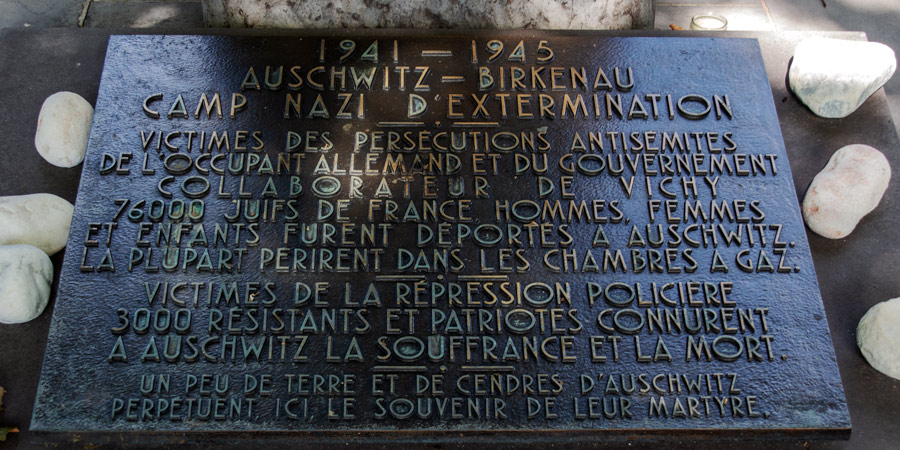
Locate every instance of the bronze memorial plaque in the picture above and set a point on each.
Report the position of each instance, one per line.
(466, 234)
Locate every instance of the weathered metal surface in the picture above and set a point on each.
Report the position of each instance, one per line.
(769, 338)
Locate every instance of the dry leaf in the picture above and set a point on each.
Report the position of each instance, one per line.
(6, 430)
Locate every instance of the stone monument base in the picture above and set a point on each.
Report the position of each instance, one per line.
(489, 14)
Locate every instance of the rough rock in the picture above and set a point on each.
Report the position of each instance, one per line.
(878, 337)
(63, 128)
(41, 220)
(489, 14)
(833, 77)
(849, 187)
(25, 276)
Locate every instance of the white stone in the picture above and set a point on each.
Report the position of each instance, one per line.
(833, 77)
(41, 220)
(25, 276)
(63, 128)
(849, 187)
(878, 337)
(490, 14)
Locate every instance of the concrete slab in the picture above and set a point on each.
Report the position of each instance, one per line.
(39, 13)
(101, 13)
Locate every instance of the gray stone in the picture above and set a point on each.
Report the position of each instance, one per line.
(63, 128)
(849, 187)
(833, 77)
(492, 14)
(878, 337)
(25, 276)
(41, 220)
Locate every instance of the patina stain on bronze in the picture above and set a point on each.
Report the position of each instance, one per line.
(493, 233)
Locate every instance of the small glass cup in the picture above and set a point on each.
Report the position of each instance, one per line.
(709, 22)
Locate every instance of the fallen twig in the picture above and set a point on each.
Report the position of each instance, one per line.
(84, 11)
